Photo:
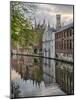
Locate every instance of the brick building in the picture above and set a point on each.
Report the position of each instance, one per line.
(64, 42)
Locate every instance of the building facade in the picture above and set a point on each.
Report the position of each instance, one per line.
(64, 42)
(48, 42)
(37, 48)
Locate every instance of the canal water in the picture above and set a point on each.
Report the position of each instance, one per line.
(35, 76)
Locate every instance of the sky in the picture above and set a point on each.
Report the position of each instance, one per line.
(49, 11)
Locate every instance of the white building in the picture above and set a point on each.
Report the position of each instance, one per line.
(48, 42)
(48, 48)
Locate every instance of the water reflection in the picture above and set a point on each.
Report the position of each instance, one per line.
(49, 70)
(65, 77)
(42, 77)
(32, 70)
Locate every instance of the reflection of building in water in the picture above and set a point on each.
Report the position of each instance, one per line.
(64, 42)
(28, 71)
(49, 71)
(65, 77)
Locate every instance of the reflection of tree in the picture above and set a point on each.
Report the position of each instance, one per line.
(35, 60)
(33, 71)
(14, 90)
(37, 71)
(26, 73)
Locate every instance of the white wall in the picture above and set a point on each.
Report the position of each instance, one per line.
(49, 45)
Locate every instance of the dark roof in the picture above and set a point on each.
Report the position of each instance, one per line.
(52, 29)
(65, 27)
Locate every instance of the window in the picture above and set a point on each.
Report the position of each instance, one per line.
(67, 33)
(64, 44)
(67, 44)
(72, 30)
(59, 35)
(57, 44)
(61, 44)
(70, 44)
(64, 34)
(56, 36)
(70, 33)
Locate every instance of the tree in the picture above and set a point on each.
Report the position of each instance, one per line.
(20, 26)
(22, 33)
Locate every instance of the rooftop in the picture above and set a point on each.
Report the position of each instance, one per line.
(65, 27)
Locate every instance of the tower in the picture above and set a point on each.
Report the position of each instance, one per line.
(58, 21)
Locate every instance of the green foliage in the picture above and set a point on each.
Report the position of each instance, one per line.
(22, 33)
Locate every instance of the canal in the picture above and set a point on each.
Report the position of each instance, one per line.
(36, 76)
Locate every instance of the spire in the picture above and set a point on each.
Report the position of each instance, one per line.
(38, 24)
(44, 22)
(35, 23)
(48, 25)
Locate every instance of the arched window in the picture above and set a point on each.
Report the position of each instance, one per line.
(70, 44)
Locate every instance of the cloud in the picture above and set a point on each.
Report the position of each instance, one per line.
(49, 11)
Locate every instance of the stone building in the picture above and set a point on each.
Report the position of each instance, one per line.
(40, 28)
(48, 42)
(64, 42)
